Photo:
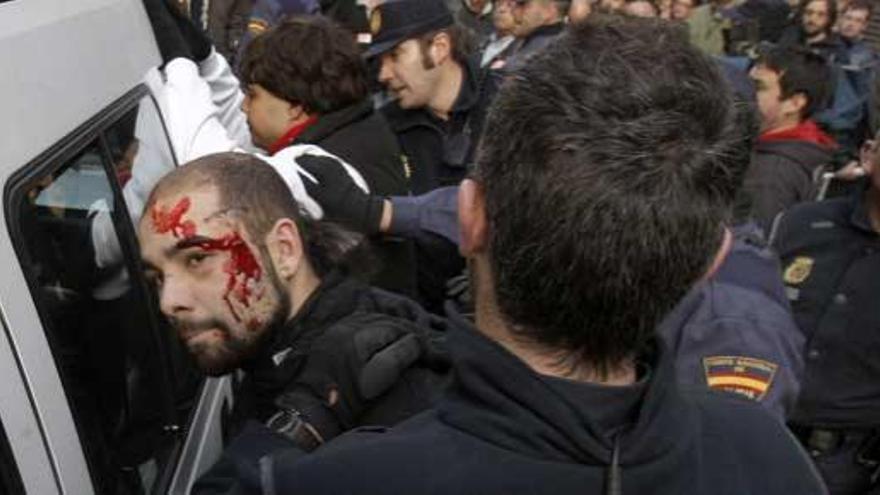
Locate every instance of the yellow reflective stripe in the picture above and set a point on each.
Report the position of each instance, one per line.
(740, 381)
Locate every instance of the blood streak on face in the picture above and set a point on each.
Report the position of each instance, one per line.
(242, 268)
(170, 221)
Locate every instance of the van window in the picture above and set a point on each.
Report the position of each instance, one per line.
(10, 480)
(130, 386)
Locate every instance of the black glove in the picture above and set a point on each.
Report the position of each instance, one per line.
(171, 42)
(349, 366)
(198, 42)
(342, 200)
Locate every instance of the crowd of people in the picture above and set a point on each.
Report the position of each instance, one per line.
(524, 246)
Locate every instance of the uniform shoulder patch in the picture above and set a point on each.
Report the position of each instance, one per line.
(739, 374)
(798, 270)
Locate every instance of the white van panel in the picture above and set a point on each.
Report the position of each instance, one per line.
(22, 429)
(62, 61)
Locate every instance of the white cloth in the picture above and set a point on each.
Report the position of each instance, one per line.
(201, 107)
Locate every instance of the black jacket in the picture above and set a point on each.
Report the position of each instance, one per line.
(439, 152)
(336, 299)
(281, 359)
(781, 175)
(831, 268)
(503, 429)
(361, 136)
(534, 42)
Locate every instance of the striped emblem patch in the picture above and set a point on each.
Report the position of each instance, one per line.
(743, 375)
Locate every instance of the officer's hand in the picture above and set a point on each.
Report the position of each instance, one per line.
(342, 200)
(171, 42)
(349, 366)
(196, 40)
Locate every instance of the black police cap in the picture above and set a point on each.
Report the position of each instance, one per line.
(396, 21)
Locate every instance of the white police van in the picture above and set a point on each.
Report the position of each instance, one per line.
(97, 396)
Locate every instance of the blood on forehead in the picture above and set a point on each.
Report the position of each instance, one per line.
(242, 268)
(165, 221)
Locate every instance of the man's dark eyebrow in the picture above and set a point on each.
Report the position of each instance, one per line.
(192, 241)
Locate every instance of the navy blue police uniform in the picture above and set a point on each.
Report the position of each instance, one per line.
(502, 428)
(831, 259)
(735, 332)
(439, 151)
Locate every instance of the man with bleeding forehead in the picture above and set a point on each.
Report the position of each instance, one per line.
(250, 284)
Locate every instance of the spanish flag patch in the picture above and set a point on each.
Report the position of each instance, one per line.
(743, 375)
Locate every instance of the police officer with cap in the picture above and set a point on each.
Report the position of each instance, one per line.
(830, 255)
(439, 98)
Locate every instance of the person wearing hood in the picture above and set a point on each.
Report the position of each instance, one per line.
(791, 83)
(561, 384)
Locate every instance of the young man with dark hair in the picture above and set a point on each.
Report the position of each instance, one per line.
(829, 251)
(851, 26)
(607, 171)
(814, 29)
(319, 96)
(791, 84)
(251, 284)
(438, 103)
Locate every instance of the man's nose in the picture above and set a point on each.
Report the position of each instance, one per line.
(174, 297)
(385, 70)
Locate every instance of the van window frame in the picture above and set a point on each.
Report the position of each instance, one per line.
(54, 158)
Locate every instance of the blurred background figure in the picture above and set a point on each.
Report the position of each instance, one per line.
(499, 45)
(681, 9)
(579, 10)
(640, 8)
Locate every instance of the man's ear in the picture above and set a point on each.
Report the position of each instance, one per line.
(441, 48)
(285, 248)
(296, 114)
(795, 104)
(472, 218)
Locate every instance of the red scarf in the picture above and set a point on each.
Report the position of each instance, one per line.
(805, 131)
(291, 135)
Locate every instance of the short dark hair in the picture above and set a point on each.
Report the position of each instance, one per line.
(860, 5)
(800, 70)
(259, 197)
(461, 40)
(307, 60)
(832, 12)
(610, 162)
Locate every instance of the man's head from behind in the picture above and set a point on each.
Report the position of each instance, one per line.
(606, 172)
(854, 20)
(529, 15)
(791, 83)
(304, 66)
(229, 253)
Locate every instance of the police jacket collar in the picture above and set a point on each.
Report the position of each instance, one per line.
(496, 397)
(329, 123)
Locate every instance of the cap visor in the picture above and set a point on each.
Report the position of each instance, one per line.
(377, 49)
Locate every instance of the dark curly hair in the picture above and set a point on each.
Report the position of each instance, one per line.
(307, 60)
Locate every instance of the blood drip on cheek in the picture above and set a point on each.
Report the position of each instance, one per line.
(171, 220)
(242, 268)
